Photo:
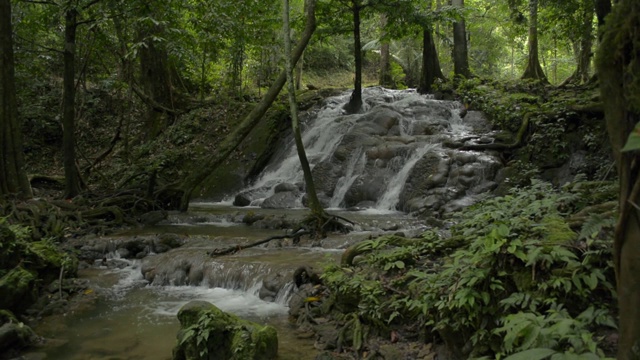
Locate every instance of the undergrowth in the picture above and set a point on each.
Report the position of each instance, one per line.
(518, 282)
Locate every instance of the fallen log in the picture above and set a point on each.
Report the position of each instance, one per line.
(235, 249)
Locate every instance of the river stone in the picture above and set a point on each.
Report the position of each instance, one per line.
(15, 335)
(153, 217)
(242, 200)
(229, 337)
(284, 187)
(282, 200)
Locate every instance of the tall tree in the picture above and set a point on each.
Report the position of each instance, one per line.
(385, 78)
(460, 49)
(13, 178)
(618, 64)
(430, 63)
(355, 102)
(155, 72)
(533, 69)
(71, 174)
(314, 203)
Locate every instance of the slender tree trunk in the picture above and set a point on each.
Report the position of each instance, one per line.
(355, 102)
(243, 129)
(13, 178)
(299, 70)
(533, 69)
(314, 203)
(460, 52)
(385, 78)
(617, 63)
(72, 178)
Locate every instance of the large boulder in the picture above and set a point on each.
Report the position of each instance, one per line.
(281, 200)
(207, 332)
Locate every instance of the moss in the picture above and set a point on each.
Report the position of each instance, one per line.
(45, 257)
(616, 47)
(207, 332)
(18, 288)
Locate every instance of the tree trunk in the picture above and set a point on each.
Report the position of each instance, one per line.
(13, 179)
(430, 63)
(582, 47)
(156, 82)
(299, 70)
(385, 78)
(314, 203)
(355, 102)
(460, 52)
(603, 8)
(72, 178)
(586, 42)
(617, 63)
(533, 69)
(250, 121)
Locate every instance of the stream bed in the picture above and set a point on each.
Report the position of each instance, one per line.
(132, 318)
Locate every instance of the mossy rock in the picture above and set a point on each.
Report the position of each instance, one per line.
(18, 288)
(45, 257)
(207, 332)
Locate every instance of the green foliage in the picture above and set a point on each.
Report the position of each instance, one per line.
(517, 277)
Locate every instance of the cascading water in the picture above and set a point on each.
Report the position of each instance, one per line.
(394, 155)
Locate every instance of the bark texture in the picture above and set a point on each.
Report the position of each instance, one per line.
(314, 203)
(385, 78)
(72, 177)
(13, 179)
(243, 129)
(460, 51)
(430, 64)
(618, 64)
(533, 69)
(355, 102)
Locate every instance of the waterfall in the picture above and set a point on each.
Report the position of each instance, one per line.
(390, 198)
(354, 169)
(364, 160)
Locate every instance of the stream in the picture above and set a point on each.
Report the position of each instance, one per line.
(135, 319)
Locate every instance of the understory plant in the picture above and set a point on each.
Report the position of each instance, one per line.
(526, 275)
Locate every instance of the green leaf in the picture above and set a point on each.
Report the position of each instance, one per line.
(532, 354)
(633, 142)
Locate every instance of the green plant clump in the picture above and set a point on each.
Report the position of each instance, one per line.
(513, 279)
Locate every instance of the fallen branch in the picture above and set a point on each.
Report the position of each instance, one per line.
(235, 249)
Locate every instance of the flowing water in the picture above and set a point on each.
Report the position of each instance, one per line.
(380, 160)
(134, 318)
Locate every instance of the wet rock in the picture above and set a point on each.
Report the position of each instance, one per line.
(282, 200)
(271, 285)
(123, 253)
(284, 187)
(15, 335)
(478, 121)
(229, 337)
(153, 217)
(242, 199)
(171, 240)
(251, 217)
